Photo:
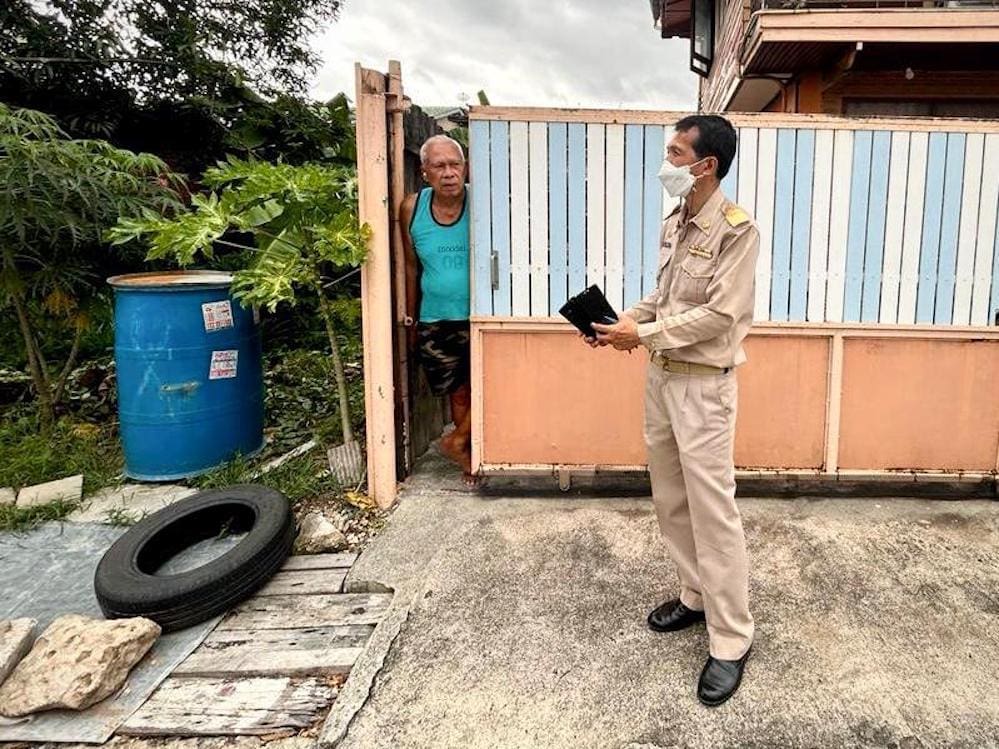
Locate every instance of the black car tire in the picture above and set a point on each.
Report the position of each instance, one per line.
(126, 584)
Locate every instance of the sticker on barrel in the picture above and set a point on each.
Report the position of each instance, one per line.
(223, 365)
(218, 315)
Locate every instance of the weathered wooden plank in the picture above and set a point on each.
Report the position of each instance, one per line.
(278, 652)
(652, 216)
(932, 217)
(780, 259)
(614, 217)
(767, 166)
(801, 224)
(839, 220)
(877, 212)
(943, 306)
(482, 290)
(634, 152)
(595, 208)
(986, 232)
(304, 582)
(860, 192)
(746, 196)
(577, 208)
(520, 284)
(912, 235)
(537, 149)
(376, 280)
(894, 228)
(558, 217)
(968, 232)
(319, 561)
(818, 272)
(499, 190)
(193, 706)
(295, 612)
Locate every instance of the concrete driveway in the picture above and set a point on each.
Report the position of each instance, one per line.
(520, 622)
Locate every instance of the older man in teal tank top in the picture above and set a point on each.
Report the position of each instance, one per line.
(435, 234)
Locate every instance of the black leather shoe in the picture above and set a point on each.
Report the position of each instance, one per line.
(720, 679)
(673, 616)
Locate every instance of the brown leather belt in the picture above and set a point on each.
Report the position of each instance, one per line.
(684, 367)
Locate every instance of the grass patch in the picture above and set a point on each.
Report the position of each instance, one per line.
(28, 457)
(298, 479)
(25, 518)
(122, 517)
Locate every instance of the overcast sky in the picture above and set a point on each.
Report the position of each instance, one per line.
(563, 53)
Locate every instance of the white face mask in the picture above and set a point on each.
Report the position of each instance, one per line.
(677, 180)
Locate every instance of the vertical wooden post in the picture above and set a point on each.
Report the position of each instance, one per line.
(478, 418)
(376, 284)
(397, 183)
(834, 403)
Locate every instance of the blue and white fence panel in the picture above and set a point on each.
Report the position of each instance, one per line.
(857, 225)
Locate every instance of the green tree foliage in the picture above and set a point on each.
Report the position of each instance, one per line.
(57, 197)
(174, 49)
(189, 80)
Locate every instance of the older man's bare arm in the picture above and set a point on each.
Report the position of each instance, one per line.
(412, 268)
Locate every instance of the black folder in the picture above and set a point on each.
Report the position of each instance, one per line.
(588, 307)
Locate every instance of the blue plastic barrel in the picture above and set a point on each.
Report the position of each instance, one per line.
(190, 379)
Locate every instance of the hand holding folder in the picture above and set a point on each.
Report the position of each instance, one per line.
(586, 308)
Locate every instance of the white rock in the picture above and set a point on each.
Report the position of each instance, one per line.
(7, 496)
(69, 489)
(16, 638)
(318, 535)
(75, 663)
(132, 501)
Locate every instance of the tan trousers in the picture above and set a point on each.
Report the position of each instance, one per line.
(689, 433)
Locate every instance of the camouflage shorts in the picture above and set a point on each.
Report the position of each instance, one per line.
(445, 354)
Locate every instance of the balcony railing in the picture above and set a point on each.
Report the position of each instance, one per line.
(873, 4)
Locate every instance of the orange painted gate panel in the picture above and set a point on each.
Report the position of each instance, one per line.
(821, 398)
(548, 399)
(925, 405)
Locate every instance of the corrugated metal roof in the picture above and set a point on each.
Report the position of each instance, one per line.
(440, 111)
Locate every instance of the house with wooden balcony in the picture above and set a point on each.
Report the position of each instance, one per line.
(929, 58)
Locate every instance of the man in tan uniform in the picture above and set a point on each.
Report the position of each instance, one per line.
(694, 324)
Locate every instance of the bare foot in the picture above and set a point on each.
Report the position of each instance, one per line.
(462, 456)
(451, 451)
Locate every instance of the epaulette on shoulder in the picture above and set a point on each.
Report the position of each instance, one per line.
(735, 215)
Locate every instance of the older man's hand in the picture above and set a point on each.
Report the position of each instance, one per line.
(622, 335)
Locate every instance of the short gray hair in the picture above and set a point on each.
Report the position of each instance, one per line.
(435, 139)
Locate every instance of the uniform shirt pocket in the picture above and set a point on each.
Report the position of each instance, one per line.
(692, 281)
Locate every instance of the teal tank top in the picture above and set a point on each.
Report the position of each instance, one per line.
(443, 252)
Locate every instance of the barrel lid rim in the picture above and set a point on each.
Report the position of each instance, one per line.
(173, 278)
